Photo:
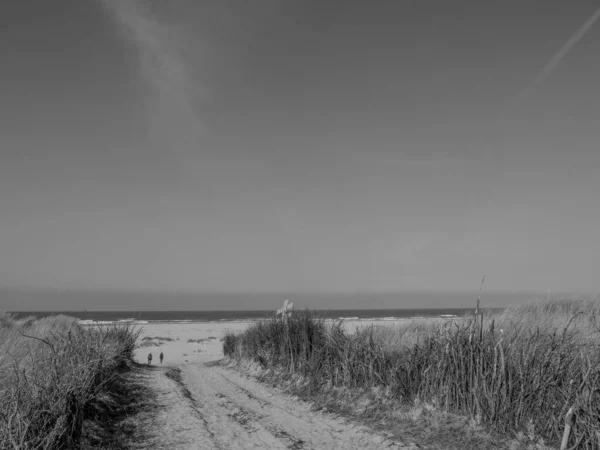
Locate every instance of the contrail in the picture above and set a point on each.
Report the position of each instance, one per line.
(161, 64)
(560, 54)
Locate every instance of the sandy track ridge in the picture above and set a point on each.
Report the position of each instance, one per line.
(205, 406)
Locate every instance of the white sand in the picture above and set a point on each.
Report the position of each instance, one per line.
(179, 350)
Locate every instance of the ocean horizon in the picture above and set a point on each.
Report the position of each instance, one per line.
(78, 302)
(141, 317)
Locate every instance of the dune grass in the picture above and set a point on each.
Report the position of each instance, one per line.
(201, 340)
(157, 338)
(516, 372)
(154, 341)
(61, 384)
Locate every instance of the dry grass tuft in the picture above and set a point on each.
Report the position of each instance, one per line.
(154, 341)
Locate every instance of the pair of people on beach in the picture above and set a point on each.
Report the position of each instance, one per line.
(150, 358)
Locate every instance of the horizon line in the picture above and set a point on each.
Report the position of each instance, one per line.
(34, 289)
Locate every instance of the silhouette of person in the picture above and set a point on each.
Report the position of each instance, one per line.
(149, 358)
(161, 357)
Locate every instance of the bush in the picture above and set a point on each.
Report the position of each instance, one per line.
(229, 344)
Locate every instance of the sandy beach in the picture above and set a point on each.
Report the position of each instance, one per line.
(201, 341)
(191, 342)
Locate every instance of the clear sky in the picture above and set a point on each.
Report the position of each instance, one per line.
(298, 145)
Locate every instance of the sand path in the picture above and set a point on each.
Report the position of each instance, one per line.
(217, 408)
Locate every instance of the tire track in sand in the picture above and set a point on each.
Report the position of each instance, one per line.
(216, 408)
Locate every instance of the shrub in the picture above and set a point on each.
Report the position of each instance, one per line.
(229, 344)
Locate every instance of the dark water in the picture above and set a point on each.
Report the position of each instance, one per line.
(107, 306)
(213, 316)
(217, 306)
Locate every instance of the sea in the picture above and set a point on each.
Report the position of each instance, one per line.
(120, 307)
(145, 317)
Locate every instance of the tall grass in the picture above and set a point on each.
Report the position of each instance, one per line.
(56, 375)
(518, 370)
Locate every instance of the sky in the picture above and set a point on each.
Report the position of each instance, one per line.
(299, 145)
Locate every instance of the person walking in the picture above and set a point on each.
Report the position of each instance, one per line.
(149, 358)
(161, 357)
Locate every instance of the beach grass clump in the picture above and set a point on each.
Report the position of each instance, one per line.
(60, 381)
(229, 343)
(517, 371)
(201, 340)
(154, 341)
(157, 338)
